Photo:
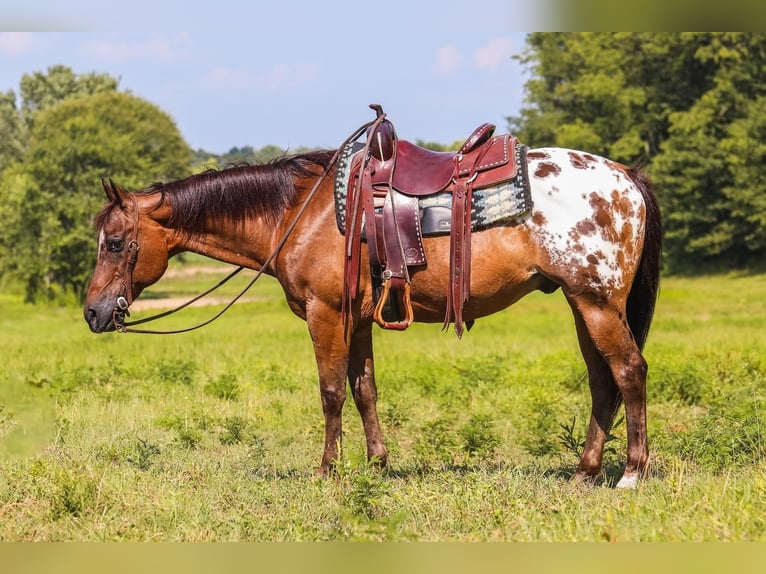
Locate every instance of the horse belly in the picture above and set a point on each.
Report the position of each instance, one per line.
(503, 270)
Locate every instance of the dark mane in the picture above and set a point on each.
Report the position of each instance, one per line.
(234, 193)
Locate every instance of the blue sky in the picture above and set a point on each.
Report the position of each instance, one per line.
(288, 73)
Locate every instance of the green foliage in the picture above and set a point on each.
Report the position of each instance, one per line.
(41, 91)
(224, 386)
(691, 105)
(49, 199)
(143, 454)
(479, 438)
(175, 371)
(246, 154)
(11, 131)
(436, 443)
(125, 454)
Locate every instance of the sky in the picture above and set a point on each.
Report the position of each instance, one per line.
(289, 74)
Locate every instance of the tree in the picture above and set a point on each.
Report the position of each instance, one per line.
(11, 131)
(690, 105)
(41, 91)
(48, 243)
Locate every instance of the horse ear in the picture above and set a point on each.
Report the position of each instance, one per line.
(114, 192)
(107, 185)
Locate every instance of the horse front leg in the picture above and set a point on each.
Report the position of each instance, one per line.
(361, 378)
(331, 350)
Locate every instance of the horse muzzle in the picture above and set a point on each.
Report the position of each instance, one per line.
(105, 318)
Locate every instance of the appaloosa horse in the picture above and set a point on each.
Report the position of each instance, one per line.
(594, 232)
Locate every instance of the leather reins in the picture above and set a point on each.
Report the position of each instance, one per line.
(123, 302)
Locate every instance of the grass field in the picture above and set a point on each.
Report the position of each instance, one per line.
(215, 434)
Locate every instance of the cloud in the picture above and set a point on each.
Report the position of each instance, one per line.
(448, 60)
(280, 77)
(493, 54)
(169, 50)
(15, 43)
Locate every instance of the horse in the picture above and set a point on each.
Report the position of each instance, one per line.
(594, 232)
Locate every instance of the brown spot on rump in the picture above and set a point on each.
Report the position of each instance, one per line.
(547, 168)
(581, 160)
(601, 210)
(539, 219)
(586, 227)
(538, 155)
(622, 204)
(592, 259)
(625, 235)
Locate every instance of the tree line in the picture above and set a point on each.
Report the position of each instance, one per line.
(690, 106)
(58, 138)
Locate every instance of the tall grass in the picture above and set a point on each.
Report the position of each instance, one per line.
(215, 434)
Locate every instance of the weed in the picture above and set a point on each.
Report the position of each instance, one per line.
(436, 443)
(538, 440)
(225, 387)
(73, 495)
(188, 437)
(395, 416)
(143, 454)
(479, 437)
(175, 371)
(365, 488)
(571, 440)
(233, 430)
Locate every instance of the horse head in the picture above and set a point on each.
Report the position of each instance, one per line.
(132, 254)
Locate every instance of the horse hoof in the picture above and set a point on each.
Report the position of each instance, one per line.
(628, 482)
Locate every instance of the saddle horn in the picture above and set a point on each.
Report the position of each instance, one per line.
(383, 139)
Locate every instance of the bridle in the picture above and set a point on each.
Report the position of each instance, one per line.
(123, 302)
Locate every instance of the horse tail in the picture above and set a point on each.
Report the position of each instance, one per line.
(646, 283)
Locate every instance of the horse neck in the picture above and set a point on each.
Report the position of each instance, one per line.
(251, 242)
(247, 244)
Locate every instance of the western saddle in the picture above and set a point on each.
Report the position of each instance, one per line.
(386, 181)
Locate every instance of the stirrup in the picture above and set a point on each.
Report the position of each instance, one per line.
(386, 305)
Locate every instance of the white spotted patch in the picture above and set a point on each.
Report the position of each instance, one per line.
(588, 215)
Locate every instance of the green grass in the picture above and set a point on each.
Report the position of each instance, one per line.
(215, 434)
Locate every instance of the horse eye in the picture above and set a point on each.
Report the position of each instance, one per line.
(114, 245)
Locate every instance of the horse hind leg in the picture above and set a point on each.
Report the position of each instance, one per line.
(605, 400)
(604, 334)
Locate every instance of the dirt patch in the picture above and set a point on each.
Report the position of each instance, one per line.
(172, 302)
(189, 270)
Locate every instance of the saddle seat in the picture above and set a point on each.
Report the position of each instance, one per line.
(418, 171)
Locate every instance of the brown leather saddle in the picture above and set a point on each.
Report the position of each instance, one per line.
(386, 181)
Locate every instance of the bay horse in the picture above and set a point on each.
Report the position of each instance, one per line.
(594, 232)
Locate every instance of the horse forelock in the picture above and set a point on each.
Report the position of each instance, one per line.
(103, 215)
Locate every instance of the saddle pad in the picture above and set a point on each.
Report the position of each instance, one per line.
(489, 206)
